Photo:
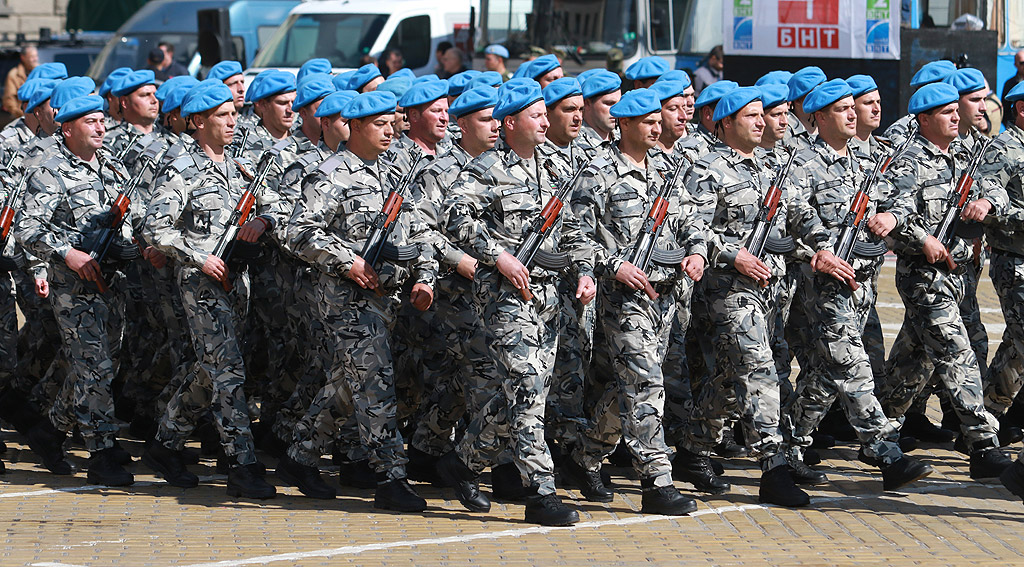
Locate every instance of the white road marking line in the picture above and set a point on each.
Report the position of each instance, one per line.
(91, 487)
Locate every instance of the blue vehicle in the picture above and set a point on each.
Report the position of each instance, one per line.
(252, 22)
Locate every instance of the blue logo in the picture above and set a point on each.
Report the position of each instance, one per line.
(743, 33)
(877, 37)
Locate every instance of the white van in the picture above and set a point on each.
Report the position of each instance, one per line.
(343, 31)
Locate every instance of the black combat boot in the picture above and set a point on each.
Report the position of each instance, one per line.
(357, 474)
(507, 484)
(589, 482)
(104, 469)
(1009, 433)
(47, 442)
(988, 463)
(777, 487)
(664, 500)
(803, 474)
(918, 425)
(1013, 479)
(170, 464)
(548, 510)
(399, 496)
(732, 446)
(246, 481)
(304, 477)
(422, 467)
(903, 472)
(696, 469)
(457, 475)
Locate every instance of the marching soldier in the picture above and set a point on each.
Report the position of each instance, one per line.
(600, 91)
(931, 72)
(801, 128)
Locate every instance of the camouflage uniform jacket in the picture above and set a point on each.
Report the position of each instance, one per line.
(403, 153)
(897, 132)
(14, 138)
(590, 141)
(1001, 175)
(428, 193)
(290, 187)
(875, 147)
(613, 200)
(797, 137)
(495, 201)
(696, 145)
(567, 160)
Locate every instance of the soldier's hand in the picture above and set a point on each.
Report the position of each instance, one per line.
(363, 274)
(252, 230)
(826, 262)
(215, 268)
(632, 276)
(748, 265)
(882, 224)
(933, 250)
(466, 267)
(84, 265)
(42, 287)
(586, 289)
(421, 296)
(514, 270)
(976, 210)
(155, 257)
(693, 266)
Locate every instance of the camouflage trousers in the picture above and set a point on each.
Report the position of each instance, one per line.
(839, 367)
(523, 341)
(419, 359)
(874, 340)
(290, 342)
(42, 365)
(471, 369)
(742, 320)
(91, 325)
(361, 380)
(1005, 375)
(8, 330)
(933, 340)
(217, 379)
(564, 415)
(679, 390)
(630, 406)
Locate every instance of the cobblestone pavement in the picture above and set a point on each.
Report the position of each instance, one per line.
(947, 519)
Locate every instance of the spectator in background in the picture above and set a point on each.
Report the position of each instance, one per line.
(155, 63)
(171, 67)
(494, 60)
(710, 71)
(17, 77)
(613, 62)
(439, 55)
(390, 61)
(368, 60)
(452, 63)
(1018, 63)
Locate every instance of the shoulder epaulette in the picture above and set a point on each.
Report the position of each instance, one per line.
(330, 164)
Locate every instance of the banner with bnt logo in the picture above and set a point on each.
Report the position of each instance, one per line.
(847, 29)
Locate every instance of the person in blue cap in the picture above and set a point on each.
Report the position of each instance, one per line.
(999, 175)
(741, 291)
(16, 135)
(627, 403)
(113, 106)
(644, 72)
(931, 282)
(194, 197)
(674, 121)
(700, 143)
(426, 105)
(839, 372)
(973, 88)
(139, 110)
(868, 105)
(544, 70)
(689, 94)
(359, 305)
(801, 129)
(315, 65)
(170, 109)
(456, 86)
(495, 57)
(495, 197)
(39, 108)
(72, 190)
(43, 146)
(365, 79)
(230, 73)
(775, 100)
(600, 92)
(929, 73)
(308, 97)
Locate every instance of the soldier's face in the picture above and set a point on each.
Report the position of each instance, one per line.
(642, 131)
(480, 129)
(377, 131)
(401, 120)
(237, 85)
(598, 110)
(673, 117)
(550, 77)
(869, 110)
(45, 114)
(775, 122)
(141, 104)
(86, 132)
(334, 128)
(839, 117)
(277, 112)
(745, 128)
(175, 122)
(431, 121)
(372, 85)
(530, 125)
(688, 100)
(566, 117)
(216, 127)
(972, 110)
(941, 124)
(492, 62)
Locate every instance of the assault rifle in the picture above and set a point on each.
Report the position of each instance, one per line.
(243, 211)
(950, 224)
(644, 251)
(7, 214)
(759, 240)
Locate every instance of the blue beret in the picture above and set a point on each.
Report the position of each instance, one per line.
(825, 94)
(637, 102)
(28, 87)
(42, 91)
(370, 104)
(457, 82)
(334, 103)
(473, 100)
(225, 70)
(1016, 93)
(932, 73)
(49, 71)
(542, 65)
(521, 70)
(341, 80)
(397, 86)
(773, 95)
(804, 80)
(112, 78)
(129, 83)
(582, 77)
(735, 100)
(560, 89)
(318, 65)
(676, 75)
(424, 78)
(257, 82)
(423, 93)
(314, 88)
(363, 75)
(966, 80)
(667, 89)
(775, 78)
(498, 50)
(68, 89)
(932, 96)
(485, 79)
(177, 94)
(714, 92)
(647, 68)
(166, 86)
(403, 72)
(601, 82)
(79, 107)
(861, 85)
(273, 84)
(205, 96)
(515, 95)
